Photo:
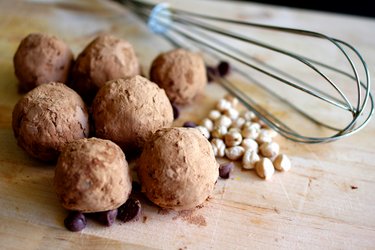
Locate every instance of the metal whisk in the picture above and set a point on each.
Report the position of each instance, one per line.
(207, 33)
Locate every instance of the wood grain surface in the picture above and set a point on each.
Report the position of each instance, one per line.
(313, 206)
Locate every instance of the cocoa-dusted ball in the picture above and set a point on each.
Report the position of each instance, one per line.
(47, 118)
(92, 175)
(181, 73)
(177, 168)
(128, 112)
(41, 58)
(105, 58)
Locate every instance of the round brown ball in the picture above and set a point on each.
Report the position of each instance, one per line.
(92, 175)
(128, 112)
(47, 118)
(41, 58)
(105, 58)
(177, 168)
(181, 73)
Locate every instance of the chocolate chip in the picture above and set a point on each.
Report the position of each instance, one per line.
(176, 111)
(130, 210)
(189, 124)
(223, 68)
(225, 169)
(106, 218)
(210, 72)
(75, 221)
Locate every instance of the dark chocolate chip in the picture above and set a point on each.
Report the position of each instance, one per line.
(225, 169)
(130, 210)
(176, 111)
(211, 71)
(107, 218)
(75, 221)
(189, 124)
(223, 68)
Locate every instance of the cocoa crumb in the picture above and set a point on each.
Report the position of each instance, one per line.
(200, 206)
(353, 187)
(144, 219)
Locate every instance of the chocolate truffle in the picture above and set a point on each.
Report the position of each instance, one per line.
(128, 112)
(47, 118)
(105, 58)
(41, 59)
(181, 73)
(92, 175)
(177, 168)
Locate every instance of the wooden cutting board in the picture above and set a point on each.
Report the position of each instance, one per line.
(327, 200)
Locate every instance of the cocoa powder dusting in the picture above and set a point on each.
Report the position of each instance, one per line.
(191, 218)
